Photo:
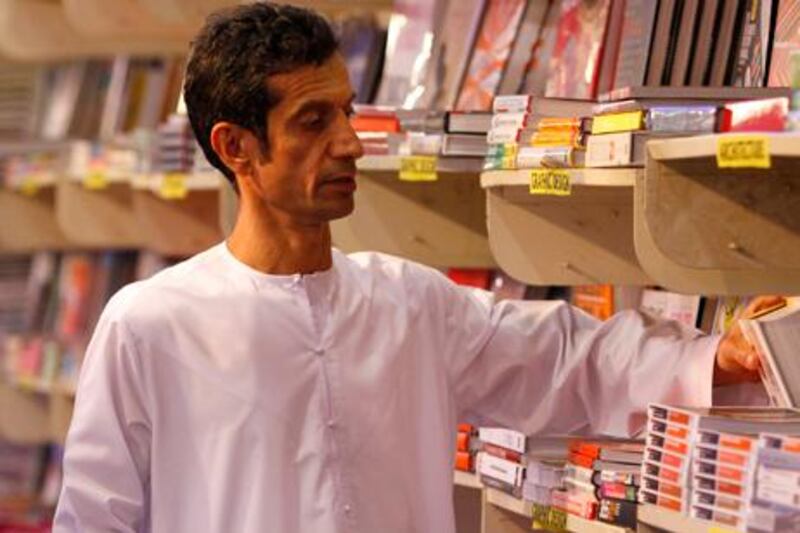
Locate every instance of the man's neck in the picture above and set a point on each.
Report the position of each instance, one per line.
(262, 241)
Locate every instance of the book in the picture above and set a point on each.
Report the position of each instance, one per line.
(546, 107)
(578, 50)
(731, 12)
(468, 121)
(408, 49)
(776, 336)
(682, 118)
(751, 54)
(685, 39)
(611, 47)
(626, 149)
(536, 71)
(637, 34)
(755, 115)
(464, 145)
(716, 94)
(786, 41)
(704, 42)
(524, 47)
(461, 23)
(499, 27)
(667, 305)
(661, 42)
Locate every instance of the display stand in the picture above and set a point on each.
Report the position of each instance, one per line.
(583, 238)
(704, 229)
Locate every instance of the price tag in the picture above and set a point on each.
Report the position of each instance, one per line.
(552, 182)
(95, 180)
(173, 187)
(418, 168)
(743, 151)
(717, 529)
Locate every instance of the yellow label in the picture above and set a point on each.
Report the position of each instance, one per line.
(509, 161)
(95, 180)
(549, 181)
(717, 529)
(617, 122)
(29, 186)
(743, 151)
(418, 168)
(173, 187)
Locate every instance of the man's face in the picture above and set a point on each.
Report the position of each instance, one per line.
(308, 174)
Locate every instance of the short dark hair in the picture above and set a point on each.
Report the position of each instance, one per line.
(231, 58)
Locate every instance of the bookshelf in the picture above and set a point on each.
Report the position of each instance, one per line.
(25, 416)
(466, 479)
(702, 229)
(583, 238)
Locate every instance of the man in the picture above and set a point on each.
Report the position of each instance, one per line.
(272, 384)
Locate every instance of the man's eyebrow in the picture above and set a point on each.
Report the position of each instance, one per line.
(316, 104)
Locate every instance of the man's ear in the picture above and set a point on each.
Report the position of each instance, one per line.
(234, 146)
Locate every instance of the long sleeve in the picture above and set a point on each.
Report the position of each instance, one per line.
(106, 462)
(549, 368)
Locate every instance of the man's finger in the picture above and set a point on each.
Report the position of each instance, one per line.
(763, 303)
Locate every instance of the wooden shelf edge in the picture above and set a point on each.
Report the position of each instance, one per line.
(469, 166)
(466, 479)
(509, 503)
(576, 524)
(587, 177)
(675, 522)
(780, 145)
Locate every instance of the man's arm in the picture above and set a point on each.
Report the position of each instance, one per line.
(549, 368)
(106, 462)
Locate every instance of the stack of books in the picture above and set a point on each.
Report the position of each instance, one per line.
(378, 129)
(176, 145)
(465, 133)
(700, 462)
(543, 477)
(500, 463)
(532, 132)
(466, 447)
(602, 480)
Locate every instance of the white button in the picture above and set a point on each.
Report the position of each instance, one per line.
(331, 423)
(347, 509)
(319, 352)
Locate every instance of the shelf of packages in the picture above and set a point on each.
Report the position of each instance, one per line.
(575, 524)
(178, 214)
(653, 518)
(720, 214)
(582, 236)
(29, 417)
(41, 31)
(441, 222)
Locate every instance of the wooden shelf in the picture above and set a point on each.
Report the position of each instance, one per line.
(39, 30)
(126, 19)
(701, 229)
(509, 503)
(440, 223)
(28, 223)
(583, 238)
(466, 479)
(576, 524)
(178, 227)
(665, 520)
(98, 218)
(24, 417)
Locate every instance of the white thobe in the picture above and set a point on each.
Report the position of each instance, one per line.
(215, 398)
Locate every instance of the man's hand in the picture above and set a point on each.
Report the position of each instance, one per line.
(737, 360)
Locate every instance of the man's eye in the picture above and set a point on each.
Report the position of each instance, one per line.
(313, 121)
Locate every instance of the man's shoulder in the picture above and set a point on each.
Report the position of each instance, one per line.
(387, 267)
(152, 297)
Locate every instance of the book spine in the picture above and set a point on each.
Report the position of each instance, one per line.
(505, 438)
(510, 120)
(512, 104)
(580, 460)
(503, 453)
(618, 491)
(544, 157)
(756, 115)
(688, 119)
(618, 122)
(506, 471)
(621, 513)
(464, 461)
(505, 135)
(501, 485)
(663, 487)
